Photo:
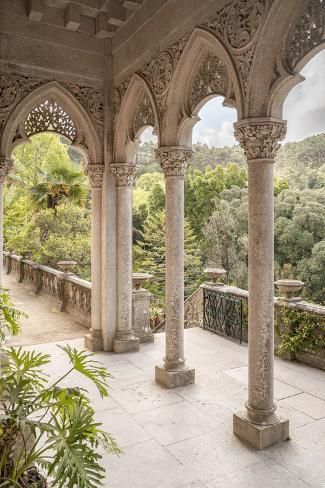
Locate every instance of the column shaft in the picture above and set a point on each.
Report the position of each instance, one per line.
(125, 339)
(174, 358)
(94, 340)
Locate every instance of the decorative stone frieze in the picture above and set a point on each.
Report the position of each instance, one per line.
(308, 33)
(125, 173)
(95, 174)
(174, 160)
(243, 22)
(49, 116)
(6, 166)
(260, 138)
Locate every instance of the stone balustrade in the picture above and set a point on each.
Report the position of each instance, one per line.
(72, 294)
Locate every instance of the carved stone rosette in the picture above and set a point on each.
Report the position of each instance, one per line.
(260, 138)
(125, 173)
(6, 166)
(95, 174)
(174, 160)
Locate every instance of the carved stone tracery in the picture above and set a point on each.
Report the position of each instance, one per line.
(308, 33)
(6, 166)
(260, 139)
(144, 115)
(243, 22)
(49, 116)
(14, 87)
(174, 160)
(124, 173)
(211, 79)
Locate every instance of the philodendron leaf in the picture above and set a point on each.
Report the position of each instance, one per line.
(83, 362)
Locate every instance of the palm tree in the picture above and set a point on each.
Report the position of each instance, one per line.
(61, 181)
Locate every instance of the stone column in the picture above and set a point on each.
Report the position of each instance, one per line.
(174, 372)
(260, 423)
(94, 340)
(125, 339)
(6, 166)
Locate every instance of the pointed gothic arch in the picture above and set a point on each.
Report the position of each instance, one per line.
(137, 111)
(50, 107)
(205, 70)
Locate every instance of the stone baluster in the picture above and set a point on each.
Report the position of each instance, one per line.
(260, 423)
(94, 340)
(174, 372)
(125, 339)
(6, 166)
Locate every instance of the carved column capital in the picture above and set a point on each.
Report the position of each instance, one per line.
(260, 138)
(95, 173)
(125, 173)
(6, 166)
(174, 160)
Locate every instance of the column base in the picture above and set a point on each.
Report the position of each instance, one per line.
(260, 436)
(173, 379)
(146, 337)
(93, 342)
(127, 345)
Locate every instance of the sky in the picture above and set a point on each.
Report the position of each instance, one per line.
(304, 110)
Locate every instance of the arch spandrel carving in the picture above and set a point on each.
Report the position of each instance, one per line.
(144, 116)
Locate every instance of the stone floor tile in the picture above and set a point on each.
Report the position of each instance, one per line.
(125, 374)
(144, 396)
(146, 465)
(308, 404)
(312, 437)
(267, 474)
(141, 361)
(302, 378)
(297, 460)
(176, 422)
(215, 454)
(126, 431)
(296, 419)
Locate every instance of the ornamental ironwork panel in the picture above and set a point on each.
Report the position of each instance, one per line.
(222, 314)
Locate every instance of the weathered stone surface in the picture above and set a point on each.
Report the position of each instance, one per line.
(173, 379)
(260, 436)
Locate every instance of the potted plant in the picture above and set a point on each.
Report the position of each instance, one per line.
(48, 434)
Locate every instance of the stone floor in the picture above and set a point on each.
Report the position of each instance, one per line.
(44, 322)
(183, 438)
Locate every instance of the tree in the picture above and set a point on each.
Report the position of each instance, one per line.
(149, 255)
(311, 271)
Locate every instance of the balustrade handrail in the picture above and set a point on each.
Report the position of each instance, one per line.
(72, 294)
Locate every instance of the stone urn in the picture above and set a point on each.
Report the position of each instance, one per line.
(27, 254)
(215, 275)
(139, 279)
(67, 266)
(290, 289)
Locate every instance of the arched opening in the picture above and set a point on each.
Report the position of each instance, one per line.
(48, 212)
(300, 170)
(216, 192)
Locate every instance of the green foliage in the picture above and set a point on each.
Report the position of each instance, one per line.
(53, 235)
(304, 331)
(149, 255)
(9, 316)
(48, 426)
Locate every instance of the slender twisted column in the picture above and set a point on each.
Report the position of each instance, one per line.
(6, 166)
(94, 340)
(174, 372)
(125, 339)
(260, 140)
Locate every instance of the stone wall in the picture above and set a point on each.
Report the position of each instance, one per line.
(71, 294)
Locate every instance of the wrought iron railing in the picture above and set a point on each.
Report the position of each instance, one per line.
(222, 313)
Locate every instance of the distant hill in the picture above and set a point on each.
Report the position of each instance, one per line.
(301, 163)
